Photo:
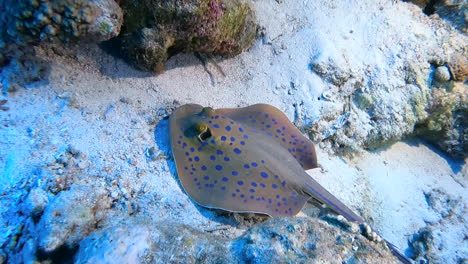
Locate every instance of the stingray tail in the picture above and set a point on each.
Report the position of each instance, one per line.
(402, 258)
(317, 192)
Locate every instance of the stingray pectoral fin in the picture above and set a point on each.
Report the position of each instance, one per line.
(317, 192)
(272, 122)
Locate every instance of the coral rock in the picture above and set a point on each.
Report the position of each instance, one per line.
(277, 240)
(458, 66)
(114, 245)
(454, 11)
(35, 202)
(420, 3)
(447, 125)
(156, 30)
(71, 216)
(442, 74)
(26, 22)
(300, 240)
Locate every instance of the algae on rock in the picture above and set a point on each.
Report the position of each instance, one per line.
(447, 124)
(156, 30)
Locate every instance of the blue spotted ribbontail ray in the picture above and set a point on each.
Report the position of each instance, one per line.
(249, 159)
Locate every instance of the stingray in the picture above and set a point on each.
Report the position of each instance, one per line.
(250, 159)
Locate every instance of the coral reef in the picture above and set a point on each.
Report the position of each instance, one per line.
(26, 22)
(155, 30)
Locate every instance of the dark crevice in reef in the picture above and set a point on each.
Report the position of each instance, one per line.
(430, 9)
(62, 255)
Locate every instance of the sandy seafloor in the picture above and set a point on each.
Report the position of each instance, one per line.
(109, 112)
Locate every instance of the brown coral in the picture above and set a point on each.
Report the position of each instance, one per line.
(156, 30)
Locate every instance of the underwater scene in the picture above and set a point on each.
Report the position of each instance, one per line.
(233, 131)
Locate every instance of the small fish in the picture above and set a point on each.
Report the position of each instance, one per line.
(249, 159)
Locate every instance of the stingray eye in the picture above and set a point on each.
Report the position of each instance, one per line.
(205, 134)
(200, 127)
